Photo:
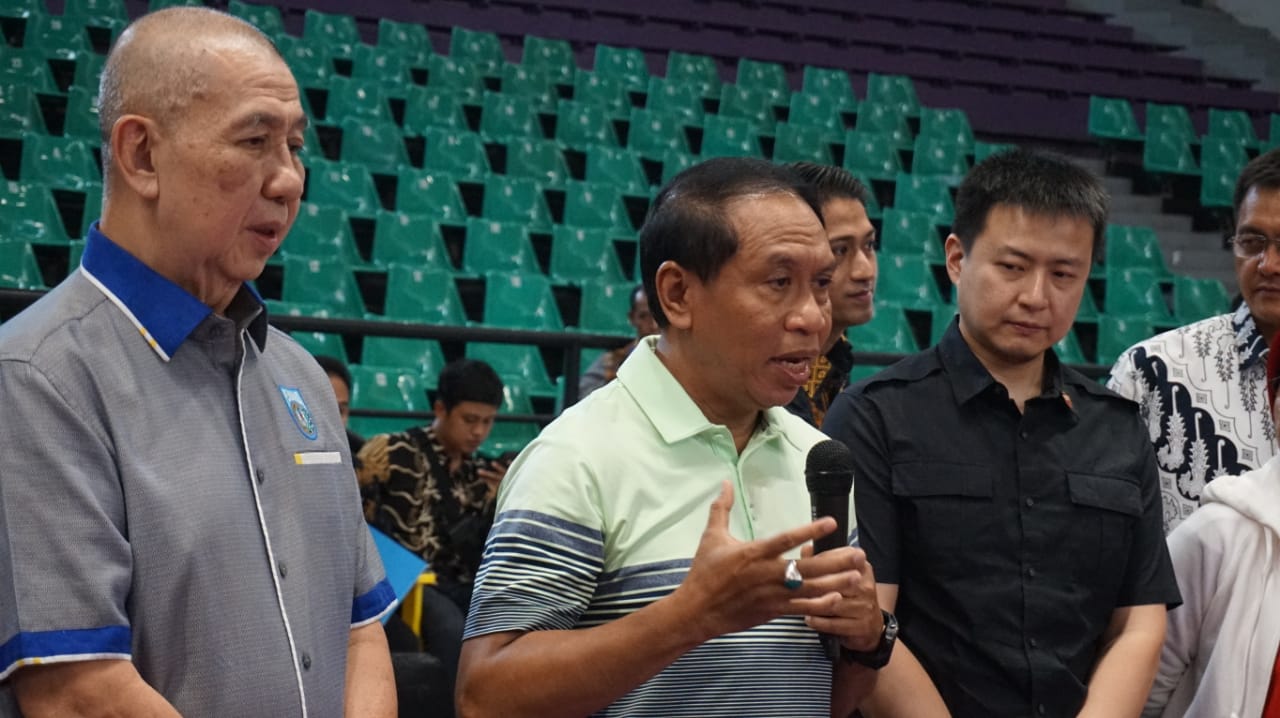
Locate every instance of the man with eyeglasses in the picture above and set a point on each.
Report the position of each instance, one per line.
(1202, 387)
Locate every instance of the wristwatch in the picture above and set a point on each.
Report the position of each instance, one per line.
(878, 657)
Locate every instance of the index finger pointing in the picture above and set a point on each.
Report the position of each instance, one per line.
(781, 543)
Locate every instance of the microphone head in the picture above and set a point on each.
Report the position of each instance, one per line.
(829, 468)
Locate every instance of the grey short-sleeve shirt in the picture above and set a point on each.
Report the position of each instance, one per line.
(176, 489)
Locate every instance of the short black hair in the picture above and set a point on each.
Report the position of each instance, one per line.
(334, 367)
(1038, 182)
(830, 182)
(1262, 172)
(468, 380)
(687, 223)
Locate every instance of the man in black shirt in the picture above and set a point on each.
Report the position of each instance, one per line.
(1010, 505)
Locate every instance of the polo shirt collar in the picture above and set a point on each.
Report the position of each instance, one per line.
(164, 313)
(1250, 344)
(969, 377)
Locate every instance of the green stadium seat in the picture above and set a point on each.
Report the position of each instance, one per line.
(509, 436)
(1168, 152)
(654, 133)
(281, 308)
(328, 282)
(264, 17)
(99, 13)
(904, 233)
(378, 146)
(28, 212)
(459, 152)
(494, 246)
(581, 124)
(950, 126)
(753, 105)
(18, 267)
(888, 331)
(617, 166)
(817, 110)
(1116, 334)
(390, 388)
(872, 154)
(92, 208)
(729, 137)
(794, 143)
(940, 158)
(509, 116)
(1169, 118)
(830, 83)
(1111, 118)
(535, 85)
(514, 300)
(940, 320)
(57, 36)
(555, 57)
(1232, 125)
(698, 70)
(22, 9)
(415, 239)
(674, 162)
(82, 114)
(332, 34)
(1134, 292)
(925, 194)
(21, 67)
(322, 232)
(770, 77)
(1134, 248)
(581, 255)
(885, 119)
(907, 280)
(389, 68)
(605, 306)
(427, 107)
(591, 204)
(431, 193)
(983, 150)
(459, 76)
(1222, 153)
(625, 63)
(895, 90)
(1069, 350)
(369, 426)
(409, 39)
(310, 68)
(538, 159)
(322, 344)
(607, 91)
(871, 204)
(482, 49)
(363, 100)
(1195, 299)
(1088, 310)
(20, 111)
(675, 98)
(422, 355)
(516, 199)
(342, 184)
(1218, 187)
(423, 295)
(517, 364)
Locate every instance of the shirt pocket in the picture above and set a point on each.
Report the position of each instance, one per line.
(1105, 511)
(944, 511)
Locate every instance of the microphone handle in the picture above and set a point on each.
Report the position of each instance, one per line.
(837, 507)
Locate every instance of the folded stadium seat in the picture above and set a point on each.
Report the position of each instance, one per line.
(1133, 292)
(1195, 299)
(389, 68)
(108, 14)
(460, 152)
(370, 426)
(1170, 118)
(81, 119)
(1233, 125)
(89, 71)
(770, 77)
(895, 90)
(1135, 247)
(281, 308)
(310, 68)
(1068, 349)
(607, 91)
(888, 332)
(377, 145)
(423, 295)
(57, 36)
(516, 300)
(580, 255)
(939, 320)
(581, 124)
(432, 193)
(264, 17)
(535, 85)
(506, 116)
(698, 70)
(20, 111)
(941, 158)
(674, 162)
(605, 306)
(870, 203)
(675, 98)
(949, 125)
(516, 199)
(1218, 187)
(924, 194)
(18, 266)
(414, 239)
(1223, 153)
(905, 233)
(409, 39)
(591, 204)
(1116, 334)
(28, 212)
(907, 280)
(92, 209)
(422, 355)
(653, 133)
(342, 184)
(811, 109)
(494, 246)
(625, 63)
(1088, 311)
(387, 387)
(983, 150)
(619, 167)
(1168, 152)
(552, 56)
(27, 68)
(753, 105)
(328, 282)
(426, 107)
(351, 98)
(793, 143)
(482, 49)
(332, 34)
(458, 75)
(1111, 118)
(322, 232)
(872, 154)
(517, 364)
(830, 83)
(885, 119)
(322, 344)
(508, 436)
(729, 137)
(538, 159)
(22, 8)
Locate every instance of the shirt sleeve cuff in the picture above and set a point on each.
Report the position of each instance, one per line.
(373, 605)
(85, 644)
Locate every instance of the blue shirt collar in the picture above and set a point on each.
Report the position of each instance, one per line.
(164, 313)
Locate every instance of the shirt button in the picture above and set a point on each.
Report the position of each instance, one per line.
(1030, 502)
(1031, 572)
(1040, 709)
(260, 476)
(1023, 434)
(306, 661)
(283, 570)
(1033, 642)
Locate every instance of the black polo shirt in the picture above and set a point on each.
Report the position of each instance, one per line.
(1012, 536)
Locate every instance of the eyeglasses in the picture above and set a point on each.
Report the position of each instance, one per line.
(1250, 245)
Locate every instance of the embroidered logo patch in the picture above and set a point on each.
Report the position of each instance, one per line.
(299, 411)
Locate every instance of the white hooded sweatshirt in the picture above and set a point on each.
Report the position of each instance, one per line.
(1221, 643)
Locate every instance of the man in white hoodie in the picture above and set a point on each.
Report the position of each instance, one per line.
(1220, 652)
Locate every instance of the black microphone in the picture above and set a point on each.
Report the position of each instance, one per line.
(828, 472)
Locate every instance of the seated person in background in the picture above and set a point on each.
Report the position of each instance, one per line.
(340, 378)
(432, 494)
(605, 367)
(1219, 656)
(853, 242)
